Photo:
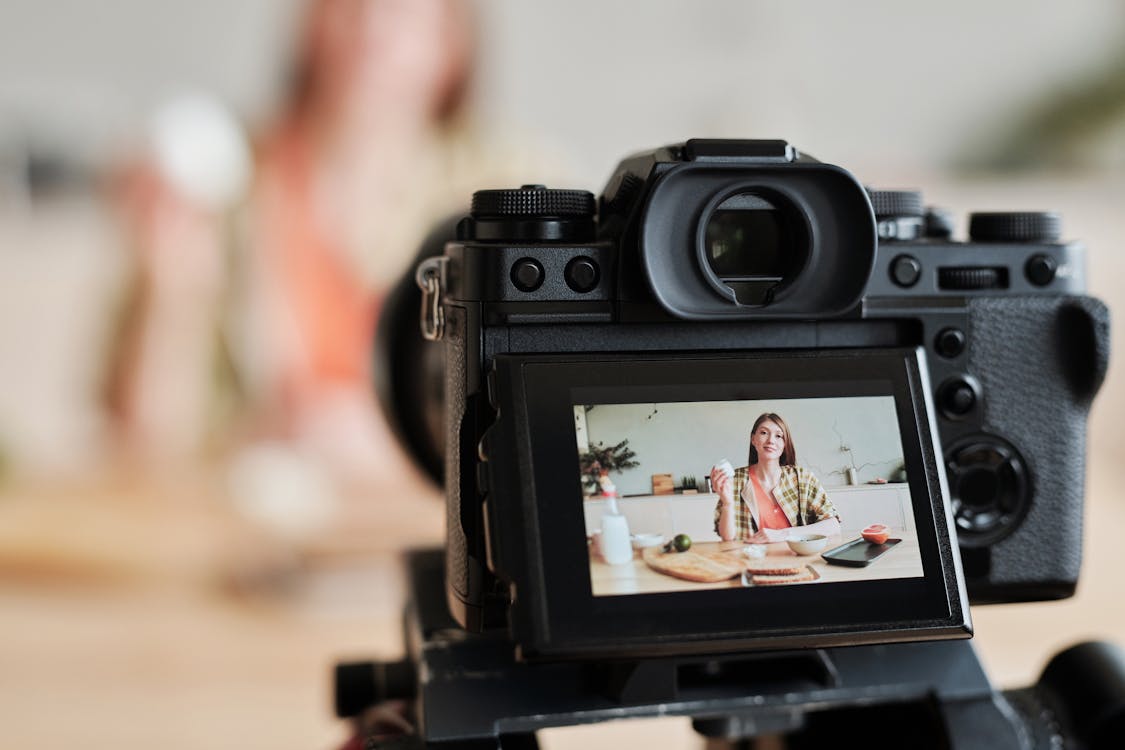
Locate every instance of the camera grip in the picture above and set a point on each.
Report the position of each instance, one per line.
(1040, 360)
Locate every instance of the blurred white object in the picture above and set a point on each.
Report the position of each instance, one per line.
(617, 549)
(755, 550)
(201, 149)
(282, 490)
(641, 541)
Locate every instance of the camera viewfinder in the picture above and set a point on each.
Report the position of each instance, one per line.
(754, 245)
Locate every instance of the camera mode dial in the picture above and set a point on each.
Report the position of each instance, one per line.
(1015, 226)
(899, 214)
(532, 213)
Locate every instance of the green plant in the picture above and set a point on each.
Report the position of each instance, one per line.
(689, 482)
(600, 459)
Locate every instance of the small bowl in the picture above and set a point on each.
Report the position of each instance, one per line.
(807, 544)
(755, 551)
(640, 541)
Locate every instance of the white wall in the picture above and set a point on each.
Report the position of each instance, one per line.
(881, 85)
(874, 84)
(688, 438)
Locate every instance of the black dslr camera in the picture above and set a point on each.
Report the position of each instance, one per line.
(639, 334)
(728, 270)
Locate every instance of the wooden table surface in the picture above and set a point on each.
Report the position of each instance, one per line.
(636, 577)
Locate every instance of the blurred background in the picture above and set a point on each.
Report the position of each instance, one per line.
(203, 204)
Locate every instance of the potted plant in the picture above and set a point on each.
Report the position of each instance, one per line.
(601, 459)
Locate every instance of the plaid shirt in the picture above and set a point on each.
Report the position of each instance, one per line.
(798, 493)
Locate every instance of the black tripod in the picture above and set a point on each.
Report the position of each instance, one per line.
(458, 690)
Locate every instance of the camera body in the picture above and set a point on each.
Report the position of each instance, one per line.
(711, 254)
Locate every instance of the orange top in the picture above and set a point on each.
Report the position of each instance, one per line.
(770, 514)
(329, 314)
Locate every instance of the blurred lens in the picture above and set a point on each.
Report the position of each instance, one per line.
(754, 245)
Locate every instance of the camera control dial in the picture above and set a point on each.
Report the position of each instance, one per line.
(532, 213)
(899, 214)
(1015, 226)
(532, 201)
(989, 486)
(896, 203)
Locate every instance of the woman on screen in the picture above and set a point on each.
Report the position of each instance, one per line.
(764, 500)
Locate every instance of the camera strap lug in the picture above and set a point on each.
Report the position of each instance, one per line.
(430, 278)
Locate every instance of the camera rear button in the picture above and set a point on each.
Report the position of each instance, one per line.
(1041, 269)
(582, 274)
(958, 396)
(950, 342)
(527, 274)
(906, 270)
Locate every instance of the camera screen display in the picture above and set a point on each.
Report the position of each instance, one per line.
(614, 500)
(750, 493)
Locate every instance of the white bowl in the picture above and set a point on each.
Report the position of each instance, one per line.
(640, 541)
(807, 544)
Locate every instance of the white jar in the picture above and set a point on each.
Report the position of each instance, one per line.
(617, 548)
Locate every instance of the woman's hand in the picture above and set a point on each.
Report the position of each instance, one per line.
(768, 536)
(721, 484)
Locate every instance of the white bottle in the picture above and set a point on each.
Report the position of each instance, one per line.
(617, 547)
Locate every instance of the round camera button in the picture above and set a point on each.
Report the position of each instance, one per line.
(582, 274)
(958, 396)
(527, 274)
(1040, 269)
(906, 270)
(989, 489)
(960, 399)
(950, 342)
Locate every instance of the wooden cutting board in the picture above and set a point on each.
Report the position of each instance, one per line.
(703, 567)
(663, 484)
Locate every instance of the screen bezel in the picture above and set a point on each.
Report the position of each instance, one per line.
(557, 613)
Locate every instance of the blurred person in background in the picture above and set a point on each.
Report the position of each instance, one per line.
(253, 307)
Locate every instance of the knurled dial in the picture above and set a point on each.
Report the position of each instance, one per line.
(1015, 226)
(887, 203)
(898, 214)
(533, 201)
